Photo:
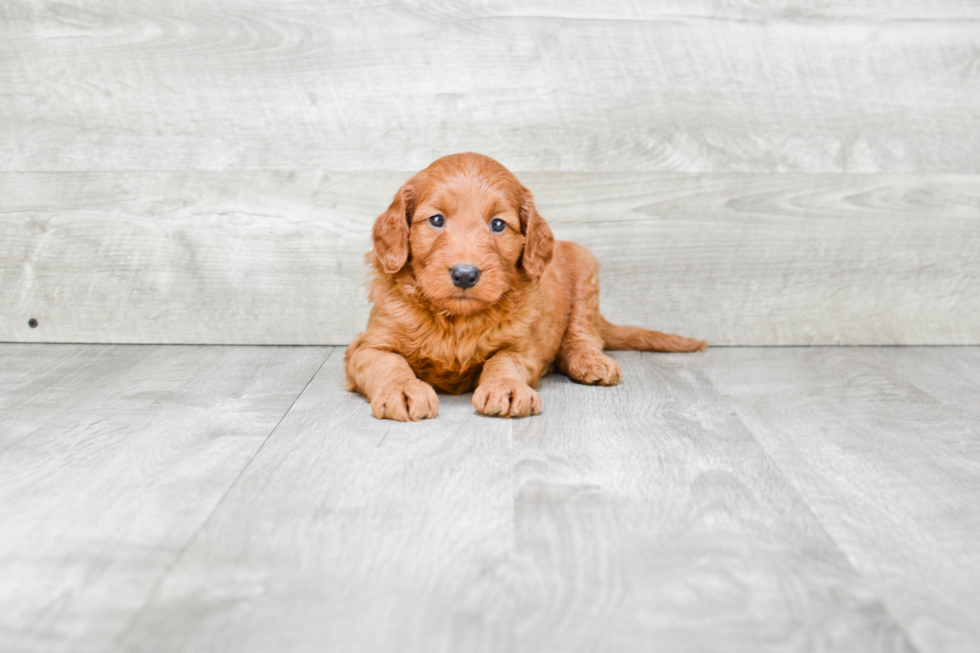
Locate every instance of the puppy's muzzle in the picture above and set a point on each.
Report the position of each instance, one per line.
(465, 276)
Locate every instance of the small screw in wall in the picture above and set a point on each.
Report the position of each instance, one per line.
(32, 323)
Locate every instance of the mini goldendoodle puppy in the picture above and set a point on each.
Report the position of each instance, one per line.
(471, 290)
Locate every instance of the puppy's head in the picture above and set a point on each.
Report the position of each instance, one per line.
(468, 231)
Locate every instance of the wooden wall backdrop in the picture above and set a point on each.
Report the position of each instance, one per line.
(755, 173)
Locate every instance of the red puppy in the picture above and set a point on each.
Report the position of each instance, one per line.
(470, 289)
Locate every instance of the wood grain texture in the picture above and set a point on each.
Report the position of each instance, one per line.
(111, 459)
(707, 86)
(883, 446)
(588, 528)
(349, 533)
(737, 500)
(267, 257)
(947, 374)
(648, 518)
(255, 258)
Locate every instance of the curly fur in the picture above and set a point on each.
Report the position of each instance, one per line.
(536, 303)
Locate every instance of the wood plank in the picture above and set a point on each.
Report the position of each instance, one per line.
(267, 257)
(646, 513)
(33, 388)
(254, 258)
(891, 472)
(709, 86)
(111, 459)
(635, 522)
(947, 374)
(348, 533)
(782, 260)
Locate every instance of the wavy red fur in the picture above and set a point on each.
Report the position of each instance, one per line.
(535, 305)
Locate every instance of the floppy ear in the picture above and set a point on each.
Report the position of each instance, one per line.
(539, 243)
(391, 231)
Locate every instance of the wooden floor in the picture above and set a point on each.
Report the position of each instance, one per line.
(182, 498)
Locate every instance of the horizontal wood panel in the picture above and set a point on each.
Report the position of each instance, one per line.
(706, 86)
(271, 257)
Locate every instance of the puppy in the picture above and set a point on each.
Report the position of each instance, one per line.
(471, 290)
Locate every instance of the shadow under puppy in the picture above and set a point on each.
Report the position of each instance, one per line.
(470, 289)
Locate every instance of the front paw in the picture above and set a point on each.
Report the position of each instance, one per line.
(406, 402)
(506, 398)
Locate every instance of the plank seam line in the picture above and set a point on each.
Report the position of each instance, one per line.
(820, 20)
(816, 519)
(190, 540)
(345, 344)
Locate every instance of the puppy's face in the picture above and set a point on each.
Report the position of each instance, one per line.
(465, 241)
(469, 232)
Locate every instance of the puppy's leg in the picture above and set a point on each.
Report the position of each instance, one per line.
(580, 356)
(390, 384)
(503, 389)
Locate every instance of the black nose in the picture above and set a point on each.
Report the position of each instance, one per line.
(465, 276)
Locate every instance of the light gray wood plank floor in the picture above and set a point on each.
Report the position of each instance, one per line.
(172, 498)
(884, 446)
(111, 459)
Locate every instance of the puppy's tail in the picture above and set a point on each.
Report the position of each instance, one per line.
(636, 338)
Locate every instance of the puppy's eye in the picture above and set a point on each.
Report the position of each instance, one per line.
(497, 225)
(437, 221)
